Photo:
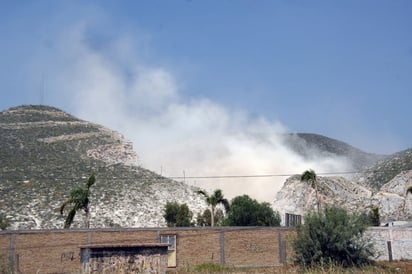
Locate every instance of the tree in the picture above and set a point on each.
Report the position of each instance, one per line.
(205, 219)
(177, 214)
(245, 211)
(332, 236)
(373, 217)
(4, 222)
(310, 177)
(79, 198)
(213, 200)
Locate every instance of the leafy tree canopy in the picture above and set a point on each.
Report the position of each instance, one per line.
(205, 219)
(245, 211)
(177, 214)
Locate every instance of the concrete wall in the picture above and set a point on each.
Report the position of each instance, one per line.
(400, 239)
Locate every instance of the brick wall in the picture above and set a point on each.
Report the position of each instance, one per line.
(137, 236)
(4, 251)
(48, 252)
(194, 247)
(252, 247)
(58, 251)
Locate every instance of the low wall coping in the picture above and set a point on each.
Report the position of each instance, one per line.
(101, 246)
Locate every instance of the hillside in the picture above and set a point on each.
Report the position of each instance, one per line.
(379, 181)
(46, 152)
(381, 172)
(297, 197)
(310, 145)
(383, 185)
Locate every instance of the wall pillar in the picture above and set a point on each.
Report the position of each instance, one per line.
(222, 247)
(282, 248)
(11, 253)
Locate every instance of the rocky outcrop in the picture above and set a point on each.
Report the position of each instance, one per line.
(393, 201)
(297, 197)
(120, 153)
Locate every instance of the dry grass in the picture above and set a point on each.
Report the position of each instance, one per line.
(402, 267)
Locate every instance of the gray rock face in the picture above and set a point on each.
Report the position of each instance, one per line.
(298, 197)
(45, 153)
(386, 169)
(393, 201)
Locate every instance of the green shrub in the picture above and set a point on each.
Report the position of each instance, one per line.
(374, 217)
(332, 236)
(4, 222)
(245, 211)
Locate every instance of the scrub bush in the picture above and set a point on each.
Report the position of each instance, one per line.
(332, 236)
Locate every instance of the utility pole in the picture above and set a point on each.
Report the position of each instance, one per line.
(42, 90)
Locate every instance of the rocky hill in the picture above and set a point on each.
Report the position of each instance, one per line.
(45, 152)
(379, 181)
(314, 145)
(297, 197)
(384, 170)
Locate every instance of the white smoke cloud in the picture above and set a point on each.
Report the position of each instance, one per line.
(174, 136)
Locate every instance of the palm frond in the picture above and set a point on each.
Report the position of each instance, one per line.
(65, 203)
(202, 192)
(226, 204)
(218, 194)
(90, 181)
(79, 197)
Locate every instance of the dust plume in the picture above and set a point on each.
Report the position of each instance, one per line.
(175, 135)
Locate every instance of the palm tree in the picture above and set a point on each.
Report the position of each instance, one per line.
(213, 200)
(79, 197)
(310, 177)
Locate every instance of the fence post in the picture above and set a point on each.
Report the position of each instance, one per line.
(282, 248)
(389, 243)
(222, 247)
(89, 237)
(12, 251)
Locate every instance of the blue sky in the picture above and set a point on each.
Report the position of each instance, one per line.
(338, 68)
